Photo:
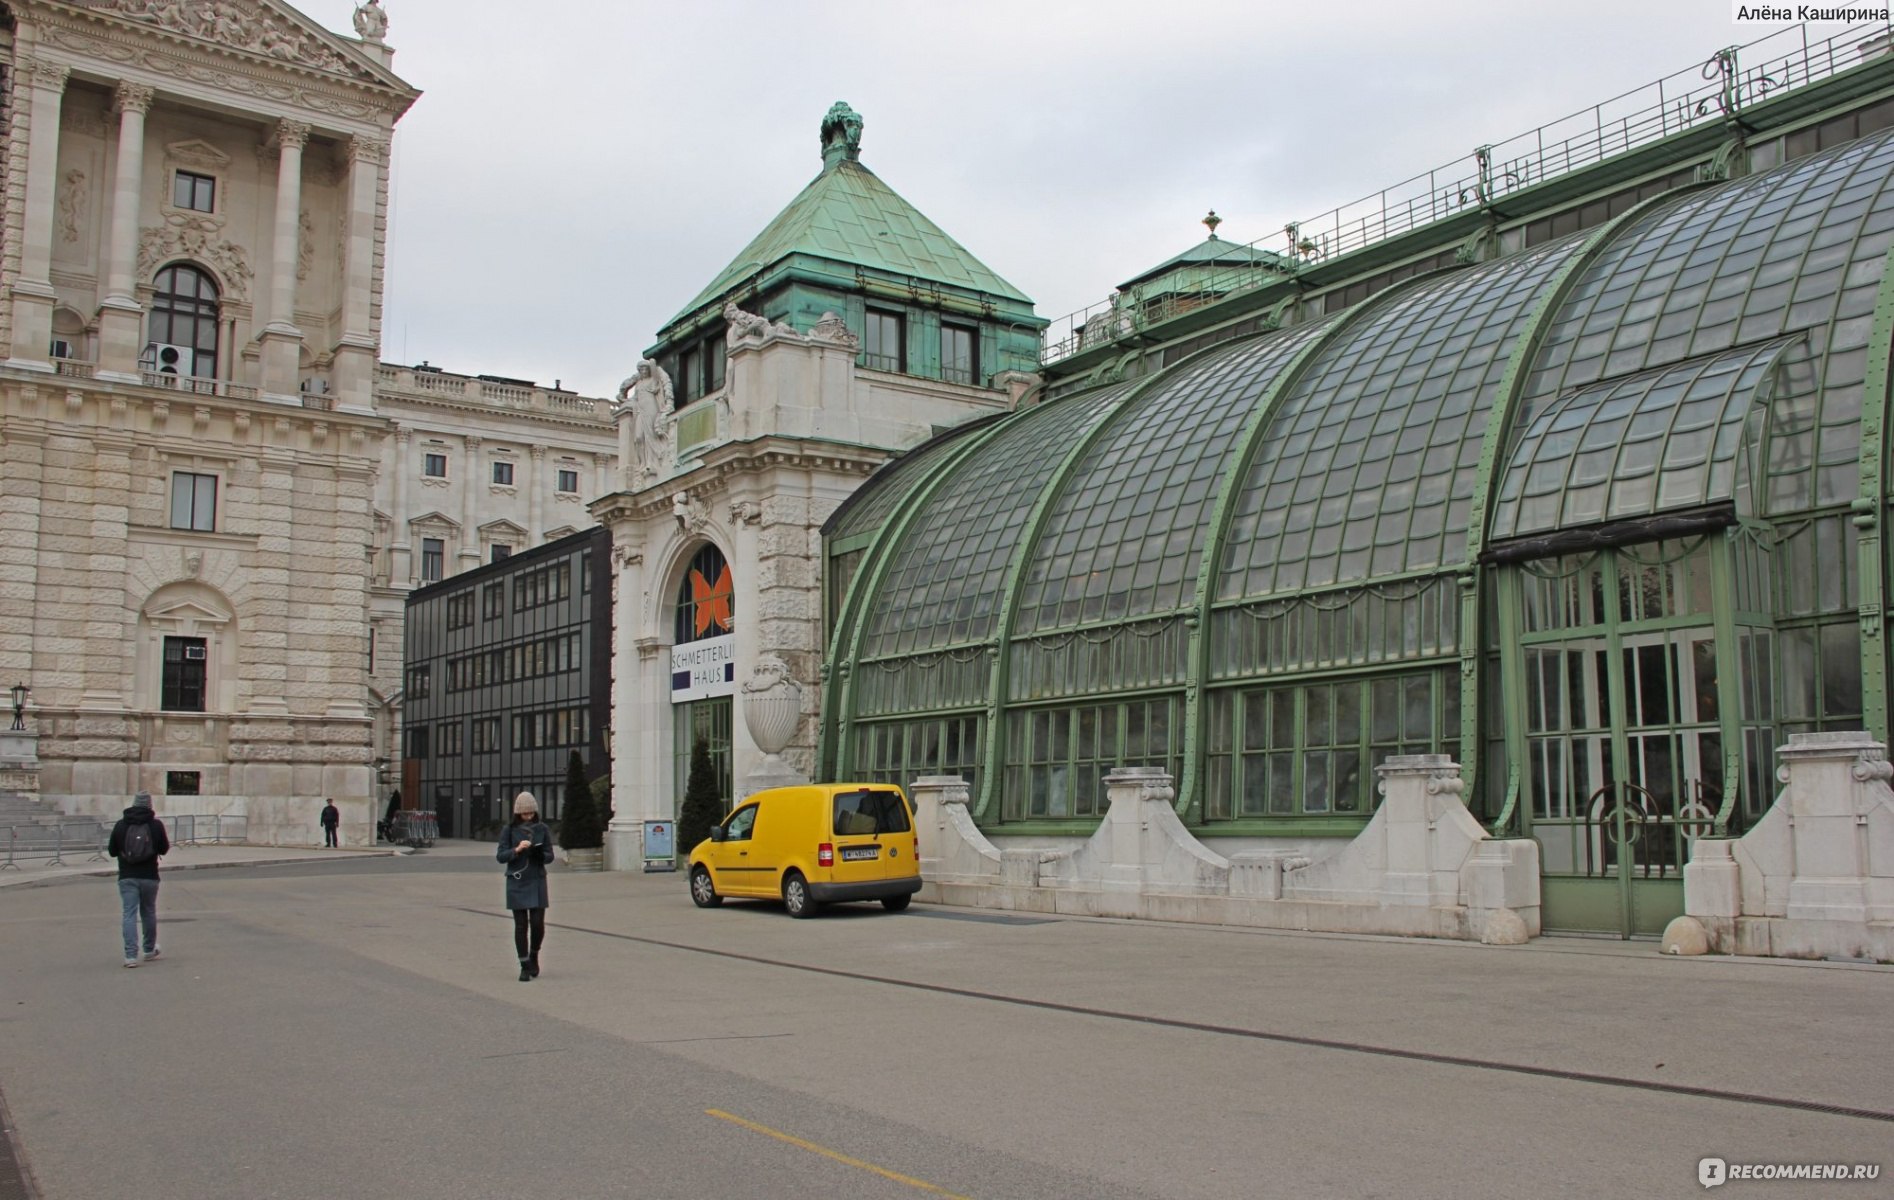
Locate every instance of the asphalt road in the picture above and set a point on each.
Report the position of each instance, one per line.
(356, 1028)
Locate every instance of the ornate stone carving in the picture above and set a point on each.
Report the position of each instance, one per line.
(305, 245)
(196, 236)
(254, 27)
(646, 396)
(45, 73)
(691, 518)
(367, 150)
(151, 59)
(291, 134)
(627, 556)
(371, 23)
(833, 330)
(745, 512)
(196, 154)
(744, 327)
(72, 204)
(132, 97)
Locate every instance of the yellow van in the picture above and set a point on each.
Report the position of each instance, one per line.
(811, 846)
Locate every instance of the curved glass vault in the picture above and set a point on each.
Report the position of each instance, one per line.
(1600, 519)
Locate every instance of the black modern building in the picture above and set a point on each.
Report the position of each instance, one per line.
(508, 670)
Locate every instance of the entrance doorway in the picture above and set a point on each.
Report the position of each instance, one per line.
(1631, 731)
(708, 720)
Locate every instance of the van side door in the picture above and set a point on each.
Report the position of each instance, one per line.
(737, 873)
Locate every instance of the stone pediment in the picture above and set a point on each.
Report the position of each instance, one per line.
(196, 153)
(186, 610)
(258, 27)
(434, 520)
(503, 528)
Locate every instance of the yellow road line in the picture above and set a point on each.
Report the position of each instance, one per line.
(825, 1152)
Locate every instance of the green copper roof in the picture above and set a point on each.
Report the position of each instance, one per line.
(1215, 251)
(848, 215)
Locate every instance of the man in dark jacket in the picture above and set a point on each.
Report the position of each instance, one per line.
(138, 841)
(331, 817)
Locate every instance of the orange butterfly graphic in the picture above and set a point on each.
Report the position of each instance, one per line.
(712, 602)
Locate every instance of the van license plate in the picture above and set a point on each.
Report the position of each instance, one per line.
(858, 853)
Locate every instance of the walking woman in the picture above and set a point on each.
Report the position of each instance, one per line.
(525, 849)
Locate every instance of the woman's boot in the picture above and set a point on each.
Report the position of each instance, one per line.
(526, 972)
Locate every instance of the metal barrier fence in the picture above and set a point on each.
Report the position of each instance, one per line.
(191, 829)
(414, 827)
(55, 842)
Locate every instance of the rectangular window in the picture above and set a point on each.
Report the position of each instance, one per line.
(433, 557)
(714, 354)
(419, 679)
(568, 480)
(434, 466)
(501, 550)
(183, 783)
(486, 735)
(884, 348)
(447, 740)
(185, 660)
(492, 601)
(460, 610)
(193, 501)
(193, 191)
(417, 742)
(503, 473)
(689, 386)
(958, 357)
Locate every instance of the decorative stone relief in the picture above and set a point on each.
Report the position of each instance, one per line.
(197, 155)
(772, 704)
(257, 28)
(305, 246)
(833, 330)
(746, 512)
(72, 204)
(690, 518)
(744, 326)
(132, 97)
(151, 59)
(195, 236)
(626, 557)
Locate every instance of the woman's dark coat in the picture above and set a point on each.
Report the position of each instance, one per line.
(526, 872)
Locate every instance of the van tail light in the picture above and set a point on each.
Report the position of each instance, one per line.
(825, 855)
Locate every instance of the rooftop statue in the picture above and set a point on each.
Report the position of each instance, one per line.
(648, 396)
(371, 23)
(841, 134)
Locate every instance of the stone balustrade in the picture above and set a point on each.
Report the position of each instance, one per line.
(468, 389)
(1423, 867)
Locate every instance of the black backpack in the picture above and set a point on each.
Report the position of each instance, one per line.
(136, 848)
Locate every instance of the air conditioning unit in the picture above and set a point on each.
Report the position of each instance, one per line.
(162, 358)
(61, 348)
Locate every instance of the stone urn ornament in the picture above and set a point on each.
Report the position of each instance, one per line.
(772, 709)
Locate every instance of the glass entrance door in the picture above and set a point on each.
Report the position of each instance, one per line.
(707, 721)
(1624, 679)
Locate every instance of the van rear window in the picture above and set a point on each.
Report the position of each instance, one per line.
(869, 812)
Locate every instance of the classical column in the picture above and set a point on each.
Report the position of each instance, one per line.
(33, 294)
(400, 547)
(601, 475)
(471, 484)
(535, 486)
(356, 351)
(282, 341)
(121, 317)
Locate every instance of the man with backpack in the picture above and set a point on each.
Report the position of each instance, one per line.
(138, 841)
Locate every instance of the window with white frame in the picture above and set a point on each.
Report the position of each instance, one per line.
(568, 480)
(503, 472)
(433, 559)
(434, 466)
(193, 191)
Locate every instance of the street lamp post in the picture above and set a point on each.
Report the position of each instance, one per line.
(19, 692)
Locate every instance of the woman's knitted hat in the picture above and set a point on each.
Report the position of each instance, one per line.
(524, 803)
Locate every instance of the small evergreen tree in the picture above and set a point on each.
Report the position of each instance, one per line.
(578, 825)
(703, 801)
(602, 800)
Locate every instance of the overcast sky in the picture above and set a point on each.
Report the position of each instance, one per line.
(576, 171)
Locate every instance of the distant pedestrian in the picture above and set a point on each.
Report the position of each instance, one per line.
(525, 849)
(138, 841)
(387, 826)
(331, 817)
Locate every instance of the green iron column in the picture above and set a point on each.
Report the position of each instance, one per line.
(1870, 507)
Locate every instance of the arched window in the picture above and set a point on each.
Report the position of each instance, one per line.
(706, 598)
(184, 313)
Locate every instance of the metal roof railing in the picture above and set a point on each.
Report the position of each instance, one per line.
(1710, 93)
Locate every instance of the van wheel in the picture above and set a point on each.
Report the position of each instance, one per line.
(703, 892)
(895, 903)
(796, 896)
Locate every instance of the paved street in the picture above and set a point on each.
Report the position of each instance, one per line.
(353, 1027)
